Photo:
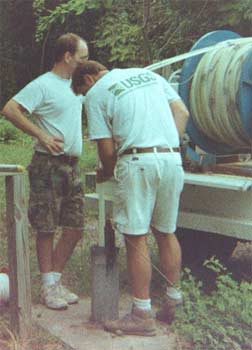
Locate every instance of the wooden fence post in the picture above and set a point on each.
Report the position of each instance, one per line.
(18, 255)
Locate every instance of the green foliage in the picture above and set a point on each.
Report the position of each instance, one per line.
(8, 132)
(237, 13)
(59, 15)
(118, 40)
(116, 37)
(130, 33)
(119, 32)
(221, 320)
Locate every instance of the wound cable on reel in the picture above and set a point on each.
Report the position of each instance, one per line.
(214, 94)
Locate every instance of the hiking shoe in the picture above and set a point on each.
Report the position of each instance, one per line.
(138, 322)
(51, 297)
(67, 295)
(168, 310)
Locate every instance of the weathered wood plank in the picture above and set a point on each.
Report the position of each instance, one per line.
(18, 255)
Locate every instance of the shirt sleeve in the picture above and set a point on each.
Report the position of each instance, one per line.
(99, 126)
(30, 97)
(170, 93)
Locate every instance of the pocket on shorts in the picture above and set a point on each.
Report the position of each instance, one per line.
(39, 175)
(42, 213)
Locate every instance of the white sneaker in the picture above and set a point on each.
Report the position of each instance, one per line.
(67, 295)
(52, 298)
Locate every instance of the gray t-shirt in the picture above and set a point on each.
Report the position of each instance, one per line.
(56, 108)
(132, 107)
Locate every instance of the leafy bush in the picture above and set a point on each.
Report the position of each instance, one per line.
(220, 321)
(8, 132)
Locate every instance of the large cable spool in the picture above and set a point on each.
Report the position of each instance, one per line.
(217, 89)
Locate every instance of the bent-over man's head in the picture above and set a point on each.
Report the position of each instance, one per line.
(86, 75)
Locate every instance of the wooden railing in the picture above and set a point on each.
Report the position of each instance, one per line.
(18, 249)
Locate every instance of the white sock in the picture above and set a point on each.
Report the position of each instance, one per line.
(143, 304)
(174, 293)
(48, 279)
(57, 276)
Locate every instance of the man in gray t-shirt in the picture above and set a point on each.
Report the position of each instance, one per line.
(136, 119)
(56, 191)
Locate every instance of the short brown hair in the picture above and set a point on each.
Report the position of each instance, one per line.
(66, 43)
(89, 67)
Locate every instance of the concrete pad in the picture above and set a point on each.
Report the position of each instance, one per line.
(74, 328)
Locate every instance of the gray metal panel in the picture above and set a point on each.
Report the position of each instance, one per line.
(223, 211)
(228, 182)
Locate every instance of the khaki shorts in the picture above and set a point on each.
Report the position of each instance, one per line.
(147, 192)
(56, 194)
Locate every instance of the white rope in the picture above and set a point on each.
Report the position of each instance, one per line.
(171, 60)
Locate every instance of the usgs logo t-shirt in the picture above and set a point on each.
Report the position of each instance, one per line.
(132, 107)
(135, 81)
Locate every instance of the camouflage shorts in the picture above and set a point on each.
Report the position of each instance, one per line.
(56, 194)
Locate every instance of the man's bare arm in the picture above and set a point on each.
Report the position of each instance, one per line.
(107, 155)
(15, 113)
(181, 116)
